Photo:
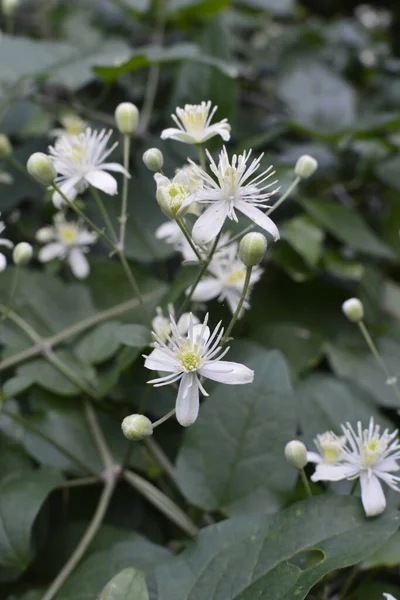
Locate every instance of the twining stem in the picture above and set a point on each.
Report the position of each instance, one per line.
(305, 482)
(162, 502)
(98, 436)
(375, 352)
(66, 371)
(161, 458)
(202, 156)
(104, 214)
(164, 418)
(183, 228)
(239, 306)
(86, 540)
(22, 324)
(124, 204)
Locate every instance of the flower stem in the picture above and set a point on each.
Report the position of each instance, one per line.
(79, 482)
(305, 482)
(186, 233)
(354, 487)
(202, 156)
(164, 418)
(375, 352)
(239, 306)
(134, 285)
(105, 215)
(98, 436)
(86, 540)
(124, 206)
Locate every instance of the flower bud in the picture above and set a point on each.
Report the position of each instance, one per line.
(353, 309)
(22, 253)
(127, 117)
(153, 159)
(5, 146)
(305, 166)
(40, 167)
(137, 427)
(296, 454)
(172, 197)
(9, 7)
(45, 235)
(252, 249)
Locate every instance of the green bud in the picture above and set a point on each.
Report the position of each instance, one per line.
(41, 168)
(5, 146)
(305, 166)
(137, 427)
(153, 159)
(353, 309)
(44, 235)
(22, 253)
(296, 454)
(127, 117)
(252, 249)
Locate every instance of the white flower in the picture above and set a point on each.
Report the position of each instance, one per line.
(71, 125)
(186, 359)
(79, 161)
(71, 242)
(233, 190)
(162, 325)
(194, 125)
(389, 597)
(226, 280)
(7, 244)
(369, 456)
(329, 446)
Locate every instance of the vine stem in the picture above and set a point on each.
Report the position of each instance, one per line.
(124, 204)
(189, 240)
(106, 218)
(98, 436)
(164, 418)
(239, 306)
(305, 482)
(86, 540)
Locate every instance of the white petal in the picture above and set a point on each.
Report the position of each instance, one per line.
(173, 133)
(388, 464)
(187, 402)
(227, 372)
(51, 251)
(259, 218)
(170, 232)
(116, 167)
(184, 322)
(389, 597)
(78, 263)
(6, 243)
(68, 189)
(372, 495)
(207, 289)
(314, 457)
(210, 223)
(3, 262)
(103, 181)
(325, 472)
(160, 361)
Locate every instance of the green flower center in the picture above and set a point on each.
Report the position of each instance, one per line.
(190, 360)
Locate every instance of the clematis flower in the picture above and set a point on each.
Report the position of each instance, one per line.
(235, 188)
(369, 456)
(67, 240)
(71, 125)
(194, 125)
(80, 162)
(187, 358)
(7, 244)
(329, 446)
(226, 279)
(389, 596)
(162, 325)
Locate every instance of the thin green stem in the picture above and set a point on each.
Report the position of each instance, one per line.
(134, 285)
(14, 288)
(124, 205)
(354, 487)
(28, 425)
(66, 371)
(86, 540)
(80, 482)
(202, 156)
(104, 214)
(189, 240)
(17, 165)
(98, 436)
(162, 502)
(239, 306)
(22, 324)
(161, 458)
(391, 380)
(164, 418)
(305, 482)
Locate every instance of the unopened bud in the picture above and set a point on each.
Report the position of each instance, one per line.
(127, 117)
(40, 167)
(353, 309)
(22, 253)
(305, 166)
(45, 235)
(153, 159)
(172, 197)
(296, 454)
(137, 427)
(252, 249)
(5, 146)
(9, 7)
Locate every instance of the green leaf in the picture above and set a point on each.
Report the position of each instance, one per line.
(347, 226)
(388, 171)
(247, 428)
(129, 583)
(388, 555)
(21, 497)
(135, 336)
(316, 97)
(100, 344)
(305, 237)
(335, 264)
(275, 557)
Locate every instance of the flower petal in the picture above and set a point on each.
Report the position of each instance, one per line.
(51, 251)
(325, 472)
(187, 402)
(68, 189)
(259, 218)
(210, 223)
(116, 167)
(3, 262)
(78, 263)
(103, 181)
(314, 457)
(207, 289)
(172, 133)
(372, 495)
(160, 361)
(6, 243)
(389, 596)
(227, 372)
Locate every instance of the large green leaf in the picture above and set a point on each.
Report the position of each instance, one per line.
(275, 557)
(129, 583)
(247, 428)
(21, 496)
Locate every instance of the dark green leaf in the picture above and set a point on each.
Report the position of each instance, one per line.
(129, 583)
(136, 336)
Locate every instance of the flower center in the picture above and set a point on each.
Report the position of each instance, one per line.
(68, 234)
(177, 195)
(235, 276)
(330, 447)
(373, 450)
(190, 360)
(194, 118)
(73, 125)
